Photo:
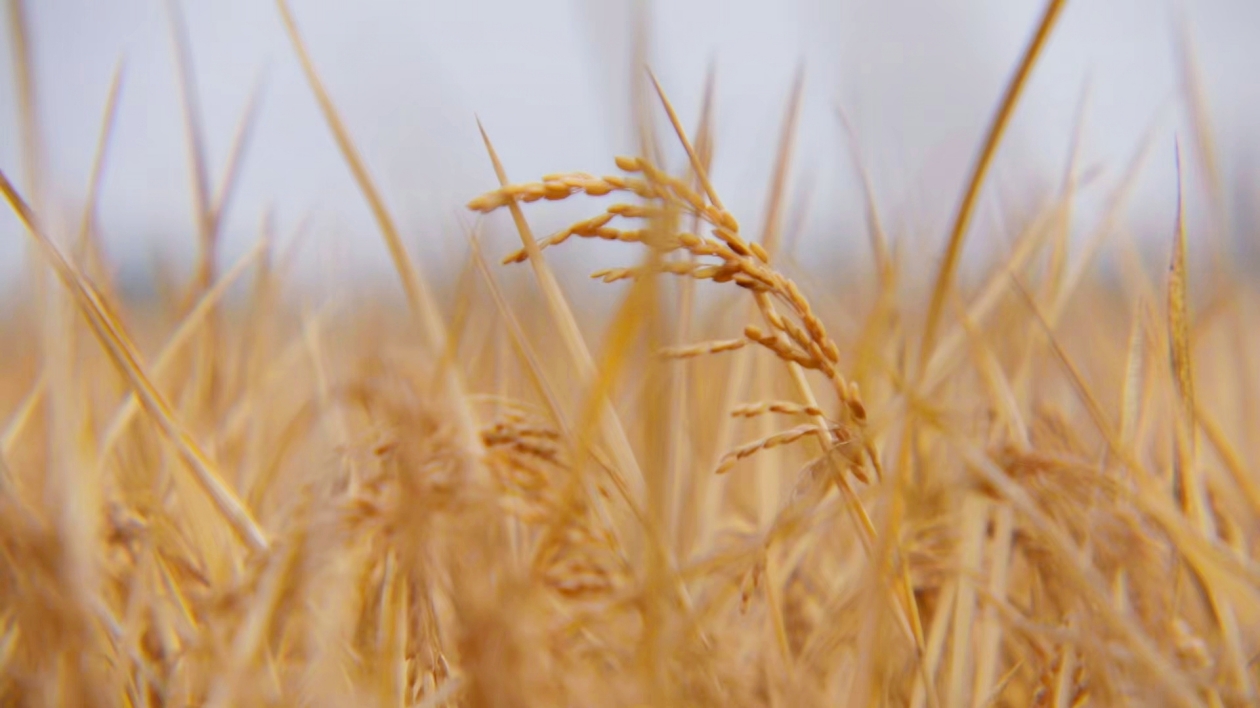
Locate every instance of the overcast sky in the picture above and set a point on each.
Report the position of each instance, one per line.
(550, 80)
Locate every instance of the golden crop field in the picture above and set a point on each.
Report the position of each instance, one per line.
(744, 484)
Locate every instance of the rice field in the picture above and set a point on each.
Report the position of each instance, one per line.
(744, 484)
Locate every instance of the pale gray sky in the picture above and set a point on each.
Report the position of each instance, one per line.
(549, 78)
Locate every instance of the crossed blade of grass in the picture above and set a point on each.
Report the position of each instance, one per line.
(122, 351)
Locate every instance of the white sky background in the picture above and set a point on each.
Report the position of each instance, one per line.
(550, 80)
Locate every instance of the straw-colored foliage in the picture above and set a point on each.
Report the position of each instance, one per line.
(745, 486)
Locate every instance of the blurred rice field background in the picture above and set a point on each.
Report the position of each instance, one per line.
(918, 367)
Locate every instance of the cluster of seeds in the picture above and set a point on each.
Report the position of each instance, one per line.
(571, 553)
(792, 330)
(524, 457)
